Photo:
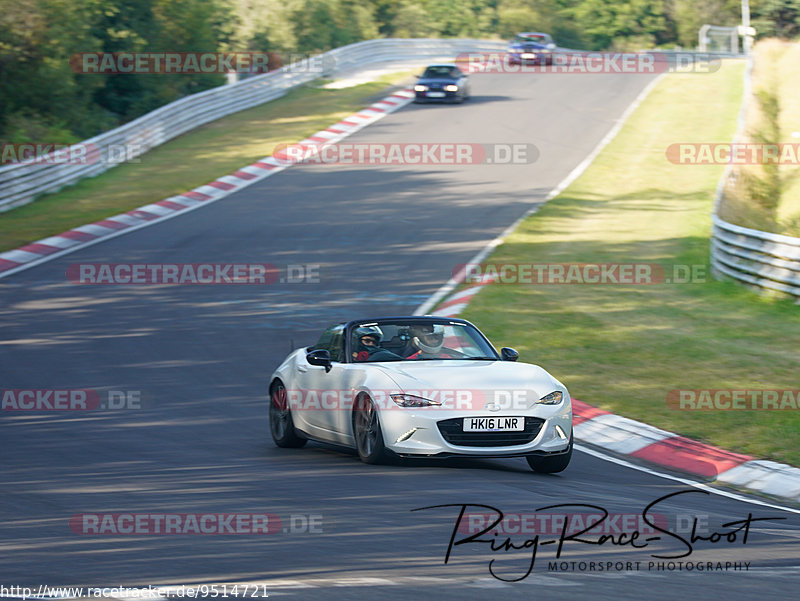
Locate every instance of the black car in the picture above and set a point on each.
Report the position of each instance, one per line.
(442, 83)
(531, 48)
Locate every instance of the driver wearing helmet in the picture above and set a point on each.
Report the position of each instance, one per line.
(366, 345)
(428, 340)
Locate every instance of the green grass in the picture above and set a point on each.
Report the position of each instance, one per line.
(623, 348)
(191, 160)
(787, 75)
(776, 70)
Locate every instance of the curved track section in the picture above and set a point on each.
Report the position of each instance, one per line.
(384, 240)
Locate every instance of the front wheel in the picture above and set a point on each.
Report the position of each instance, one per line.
(281, 425)
(367, 432)
(552, 464)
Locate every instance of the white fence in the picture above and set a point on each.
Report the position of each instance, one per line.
(20, 183)
(765, 260)
(761, 259)
(730, 33)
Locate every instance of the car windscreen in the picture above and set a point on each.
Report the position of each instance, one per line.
(534, 39)
(418, 341)
(445, 72)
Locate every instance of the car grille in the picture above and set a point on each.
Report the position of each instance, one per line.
(436, 87)
(453, 433)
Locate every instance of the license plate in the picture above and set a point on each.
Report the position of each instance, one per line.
(436, 94)
(528, 55)
(494, 424)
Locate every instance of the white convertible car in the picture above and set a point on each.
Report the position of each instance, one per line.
(420, 387)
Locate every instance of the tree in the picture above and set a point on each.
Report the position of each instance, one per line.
(321, 25)
(41, 98)
(778, 18)
(411, 21)
(607, 22)
(688, 16)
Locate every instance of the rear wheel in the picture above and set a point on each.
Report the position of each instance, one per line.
(552, 464)
(367, 432)
(281, 425)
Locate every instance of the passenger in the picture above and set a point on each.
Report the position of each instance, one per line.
(427, 342)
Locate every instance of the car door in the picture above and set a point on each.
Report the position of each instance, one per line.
(325, 391)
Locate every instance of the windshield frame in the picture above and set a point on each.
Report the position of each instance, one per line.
(445, 321)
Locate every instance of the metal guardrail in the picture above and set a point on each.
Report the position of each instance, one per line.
(21, 183)
(762, 259)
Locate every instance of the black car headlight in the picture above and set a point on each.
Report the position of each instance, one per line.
(554, 398)
(411, 400)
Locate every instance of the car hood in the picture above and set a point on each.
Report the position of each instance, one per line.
(479, 377)
(426, 81)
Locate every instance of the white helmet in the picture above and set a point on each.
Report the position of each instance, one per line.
(428, 338)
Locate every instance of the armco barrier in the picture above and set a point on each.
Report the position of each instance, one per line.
(21, 183)
(762, 259)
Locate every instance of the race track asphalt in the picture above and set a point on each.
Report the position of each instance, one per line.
(383, 240)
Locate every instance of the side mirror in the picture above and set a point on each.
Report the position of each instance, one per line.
(320, 358)
(509, 354)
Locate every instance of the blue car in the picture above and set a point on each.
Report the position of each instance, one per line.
(442, 83)
(531, 48)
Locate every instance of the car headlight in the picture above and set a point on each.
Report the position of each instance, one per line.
(554, 398)
(420, 88)
(451, 88)
(410, 400)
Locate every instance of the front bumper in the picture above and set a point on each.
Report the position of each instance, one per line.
(416, 433)
(426, 97)
(539, 58)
